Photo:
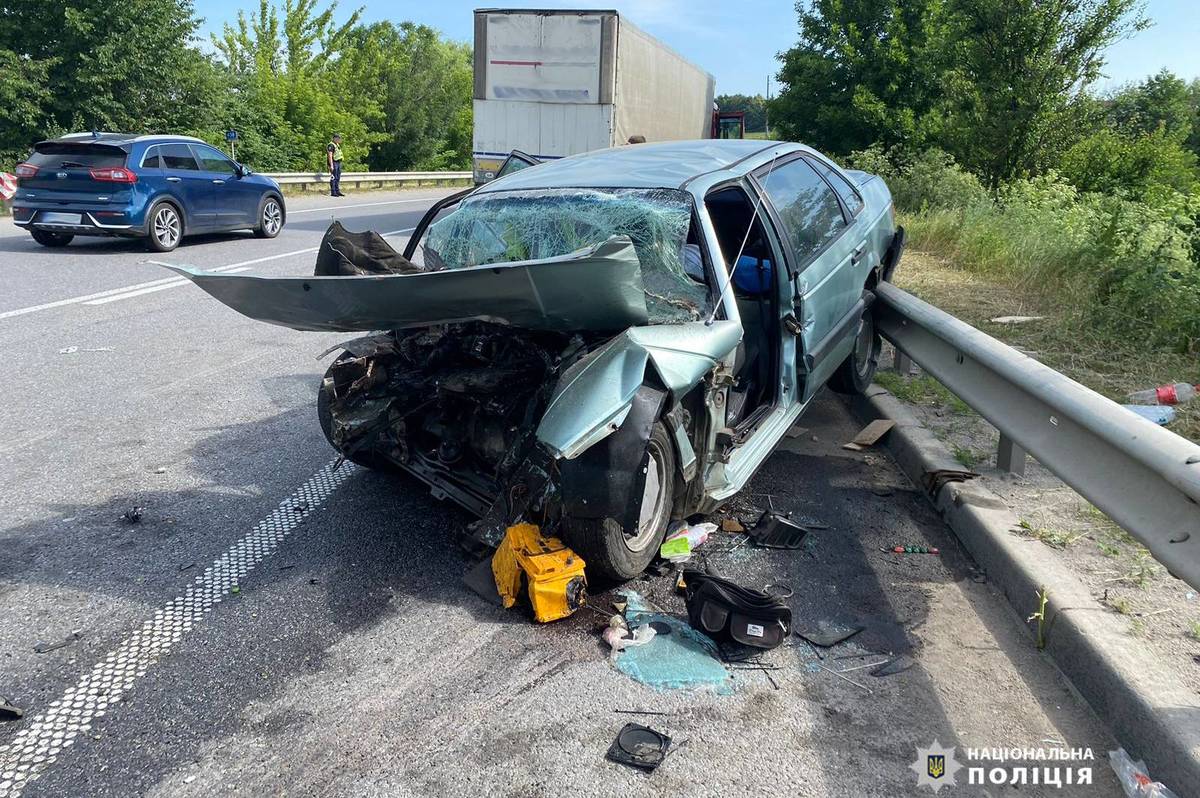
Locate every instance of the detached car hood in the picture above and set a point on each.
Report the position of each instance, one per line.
(598, 289)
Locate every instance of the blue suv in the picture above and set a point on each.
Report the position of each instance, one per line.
(160, 188)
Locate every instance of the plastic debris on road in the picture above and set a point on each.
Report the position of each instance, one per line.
(621, 639)
(679, 544)
(1135, 781)
(676, 657)
(639, 746)
(9, 710)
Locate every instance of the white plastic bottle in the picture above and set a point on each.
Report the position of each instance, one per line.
(1175, 394)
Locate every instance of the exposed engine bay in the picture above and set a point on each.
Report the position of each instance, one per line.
(455, 404)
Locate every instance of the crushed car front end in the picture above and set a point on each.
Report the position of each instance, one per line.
(544, 357)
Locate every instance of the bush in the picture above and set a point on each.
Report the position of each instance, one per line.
(1132, 265)
(929, 180)
(1143, 167)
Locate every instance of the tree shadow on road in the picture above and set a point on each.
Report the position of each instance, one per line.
(382, 547)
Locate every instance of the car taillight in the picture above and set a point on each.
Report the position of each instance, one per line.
(113, 174)
(25, 170)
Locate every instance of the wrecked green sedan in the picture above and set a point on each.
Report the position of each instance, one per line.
(601, 343)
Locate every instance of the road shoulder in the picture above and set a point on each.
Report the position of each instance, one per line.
(1149, 710)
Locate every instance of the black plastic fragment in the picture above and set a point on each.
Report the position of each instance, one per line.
(8, 710)
(777, 531)
(639, 746)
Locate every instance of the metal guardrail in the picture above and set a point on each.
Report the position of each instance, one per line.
(322, 178)
(1145, 478)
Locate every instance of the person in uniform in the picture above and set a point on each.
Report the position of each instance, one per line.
(333, 154)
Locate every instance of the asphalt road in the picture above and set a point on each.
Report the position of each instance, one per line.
(270, 626)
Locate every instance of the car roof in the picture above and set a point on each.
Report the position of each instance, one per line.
(667, 164)
(117, 139)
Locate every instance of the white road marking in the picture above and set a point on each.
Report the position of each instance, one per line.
(361, 205)
(130, 291)
(37, 745)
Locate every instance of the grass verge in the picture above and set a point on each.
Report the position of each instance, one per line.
(1065, 338)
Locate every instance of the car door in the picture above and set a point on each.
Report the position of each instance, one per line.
(193, 189)
(515, 162)
(825, 248)
(234, 200)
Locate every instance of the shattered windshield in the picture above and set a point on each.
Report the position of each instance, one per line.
(506, 226)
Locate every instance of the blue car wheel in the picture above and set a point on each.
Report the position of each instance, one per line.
(270, 218)
(165, 227)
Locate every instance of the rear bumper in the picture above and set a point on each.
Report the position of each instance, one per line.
(80, 223)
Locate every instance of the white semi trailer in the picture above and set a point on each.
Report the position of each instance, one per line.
(556, 83)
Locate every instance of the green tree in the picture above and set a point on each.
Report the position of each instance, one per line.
(23, 100)
(1160, 102)
(1015, 76)
(283, 68)
(863, 72)
(414, 89)
(105, 65)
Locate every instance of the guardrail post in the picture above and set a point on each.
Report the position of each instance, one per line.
(902, 363)
(1010, 456)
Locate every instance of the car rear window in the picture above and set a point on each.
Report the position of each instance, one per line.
(55, 155)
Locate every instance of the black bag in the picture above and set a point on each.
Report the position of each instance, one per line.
(725, 610)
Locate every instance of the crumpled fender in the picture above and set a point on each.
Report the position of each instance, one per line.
(594, 396)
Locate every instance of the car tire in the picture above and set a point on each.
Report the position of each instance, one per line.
(620, 554)
(49, 239)
(270, 218)
(857, 371)
(363, 457)
(164, 227)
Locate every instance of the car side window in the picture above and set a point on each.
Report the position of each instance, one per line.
(212, 160)
(151, 160)
(177, 156)
(811, 214)
(841, 185)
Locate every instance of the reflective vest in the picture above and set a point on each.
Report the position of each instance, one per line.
(336, 149)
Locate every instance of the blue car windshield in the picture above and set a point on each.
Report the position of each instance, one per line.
(505, 226)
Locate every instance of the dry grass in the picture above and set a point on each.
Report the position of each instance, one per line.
(1064, 340)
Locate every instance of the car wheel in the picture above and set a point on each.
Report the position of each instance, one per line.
(857, 371)
(270, 218)
(165, 228)
(363, 457)
(49, 239)
(623, 553)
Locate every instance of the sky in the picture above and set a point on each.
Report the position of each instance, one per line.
(737, 41)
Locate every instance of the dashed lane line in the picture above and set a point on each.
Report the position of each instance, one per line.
(37, 746)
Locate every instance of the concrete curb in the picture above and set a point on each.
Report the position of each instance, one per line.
(1148, 711)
